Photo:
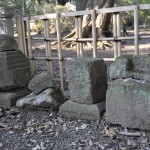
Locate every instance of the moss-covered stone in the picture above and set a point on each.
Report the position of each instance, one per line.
(136, 67)
(128, 103)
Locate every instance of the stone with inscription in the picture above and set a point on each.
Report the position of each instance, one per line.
(14, 70)
(75, 110)
(87, 78)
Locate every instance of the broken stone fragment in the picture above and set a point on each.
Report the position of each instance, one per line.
(41, 82)
(49, 98)
(7, 43)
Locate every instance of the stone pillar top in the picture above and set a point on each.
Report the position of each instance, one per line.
(7, 43)
(7, 12)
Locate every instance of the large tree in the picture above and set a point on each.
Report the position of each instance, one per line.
(102, 20)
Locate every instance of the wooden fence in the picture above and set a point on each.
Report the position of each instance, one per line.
(25, 38)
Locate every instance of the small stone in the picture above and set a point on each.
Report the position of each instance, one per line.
(40, 82)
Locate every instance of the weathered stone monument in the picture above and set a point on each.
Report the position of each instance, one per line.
(14, 71)
(6, 20)
(128, 96)
(87, 78)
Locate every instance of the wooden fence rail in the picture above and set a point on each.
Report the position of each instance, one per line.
(25, 38)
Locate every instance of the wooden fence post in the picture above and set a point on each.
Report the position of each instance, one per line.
(48, 46)
(136, 37)
(94, 33)
(29, 45)
(59, 40)
(21, 44)
(119, 33)
(115, 35)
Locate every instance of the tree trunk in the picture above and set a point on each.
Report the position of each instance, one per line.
(102, 20)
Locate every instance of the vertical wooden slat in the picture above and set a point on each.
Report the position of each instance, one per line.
(94, 33)
(136, 38)
(77, 36)
(115, 34)
(60, 50)
(46, 44)
(80, 35)
(30, 45)
(119, 33)
(49, 48)
(24, 37)
(20, 34)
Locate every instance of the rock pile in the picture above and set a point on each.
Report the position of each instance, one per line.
(44, 93)
(87, 87)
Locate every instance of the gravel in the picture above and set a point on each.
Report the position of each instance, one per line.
(39, 129)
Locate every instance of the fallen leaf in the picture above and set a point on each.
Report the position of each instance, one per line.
(83, 126)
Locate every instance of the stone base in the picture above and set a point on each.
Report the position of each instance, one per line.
(82, 111)
(128, 103)
(9, 98)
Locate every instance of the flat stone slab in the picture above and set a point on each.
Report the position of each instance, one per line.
(40, 82)
(136, 67)
(9, 98)
(75, 110)
(87, 78)
(14, 70)
(7, 43)
(128, 103)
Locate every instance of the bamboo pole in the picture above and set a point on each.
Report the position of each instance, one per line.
(94, 33)
(119, 33)
(136, 38)
(20, 34)
(115, 34)
(47, 46)
(80, 36)
(77, 36)
(60, 50)
(24, 37)
(29, 45)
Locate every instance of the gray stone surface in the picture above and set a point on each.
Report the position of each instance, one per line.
(41, 82)
(9, 98)
(128, 103)
(136, 67)
(75, 110)
(14, 70)
(87, 78)
(120, 67)
(6, 22)
(50, 98)
(7, 43)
